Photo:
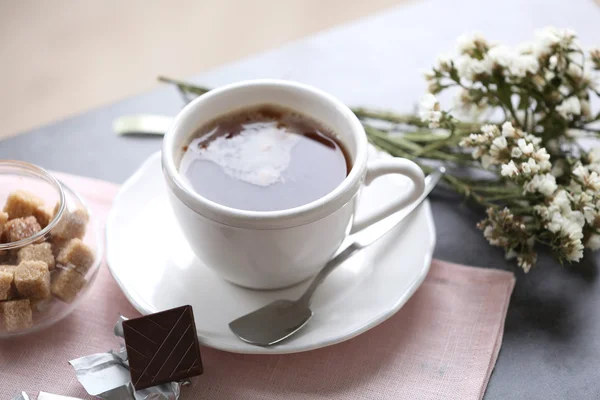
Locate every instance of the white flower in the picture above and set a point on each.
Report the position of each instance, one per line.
(490, 130)
(488, 232)
(561, 200)
(553, 62)
(525, 168)
(525, 264)
(550, 37)
(556, 223)
(526, 148)
(590, 180)
(466, 106)
(501, 55)
(585, 108)
(575, 71)
(498, 144)
(523, 64)
(508, 130)
(509, 169)
(593, 181)
(444, 62)
(580, 171)
(594, 155)
(487, 161)
(579, 220)
(542, 211)
(541, 155)
(430, 110)
(525, 48)
(429, 102)
(477, 153)
(590, 214)
(533, 166)
(469, 68)
(544, 184)
(467, 42)
(516, 152)
(570, 106)
(576, 252)
(593, 242)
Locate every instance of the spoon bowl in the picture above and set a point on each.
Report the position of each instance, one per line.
(272, 323)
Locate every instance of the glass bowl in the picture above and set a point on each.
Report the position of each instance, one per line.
(61, 233)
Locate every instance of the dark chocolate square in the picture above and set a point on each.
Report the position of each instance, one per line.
(162, 347)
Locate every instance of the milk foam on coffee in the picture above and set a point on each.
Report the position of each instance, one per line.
(259, 154)
(264, 158)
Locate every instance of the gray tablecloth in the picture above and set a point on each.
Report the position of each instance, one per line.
(551, 344)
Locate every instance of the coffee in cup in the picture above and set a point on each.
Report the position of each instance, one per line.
(264, 158)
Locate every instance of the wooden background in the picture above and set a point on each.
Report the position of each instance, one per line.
(62, 57)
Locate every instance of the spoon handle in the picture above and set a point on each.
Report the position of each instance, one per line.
(360, 243)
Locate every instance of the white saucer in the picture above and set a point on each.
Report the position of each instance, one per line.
(156, 269)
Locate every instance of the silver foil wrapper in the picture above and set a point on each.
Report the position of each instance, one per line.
(44, 396)
(106, 376)
(50, 396)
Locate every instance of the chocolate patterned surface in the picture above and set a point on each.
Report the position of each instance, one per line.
(162, 347)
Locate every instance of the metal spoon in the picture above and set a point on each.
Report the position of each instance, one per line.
(283, 318)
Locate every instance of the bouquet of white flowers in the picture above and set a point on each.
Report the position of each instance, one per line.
(527, 110)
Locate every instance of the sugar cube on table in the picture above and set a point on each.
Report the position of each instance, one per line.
(37, 252)
(6, 280)
(77, 253)
(16, 314)
(32, 279)
(21, 203)
(72, 225)
(67, 283)
(20, 228)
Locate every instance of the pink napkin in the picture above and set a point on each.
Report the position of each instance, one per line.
(442, 344)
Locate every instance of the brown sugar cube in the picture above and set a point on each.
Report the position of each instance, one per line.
(8, 268)
(57, 245)
(37, 252)
(43, 215)
(6, 280)
(71, 225)
(22, 204)
(16, 314)
(20, 228)
(67, 283)
(12, 291)
(3, 220)
(41, 305)
(78, 254)
(32, 279)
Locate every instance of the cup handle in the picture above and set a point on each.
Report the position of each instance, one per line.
(401, 166)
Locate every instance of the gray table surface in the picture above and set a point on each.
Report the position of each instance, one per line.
(551, 347)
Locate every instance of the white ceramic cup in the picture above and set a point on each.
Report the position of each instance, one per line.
(275, 249)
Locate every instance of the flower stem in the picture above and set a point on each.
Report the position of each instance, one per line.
(185, 86)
